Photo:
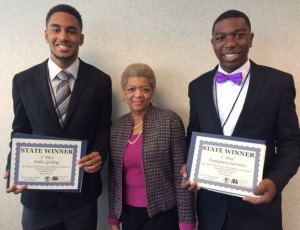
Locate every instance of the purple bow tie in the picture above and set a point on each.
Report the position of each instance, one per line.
(235, 78)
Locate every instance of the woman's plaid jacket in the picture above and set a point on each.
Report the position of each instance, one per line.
(163, 153)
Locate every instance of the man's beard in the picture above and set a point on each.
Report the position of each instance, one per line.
(65, 59)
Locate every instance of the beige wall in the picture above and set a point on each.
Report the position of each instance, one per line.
(172, 36)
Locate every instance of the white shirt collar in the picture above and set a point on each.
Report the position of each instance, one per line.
(55, 69)
(244, 69)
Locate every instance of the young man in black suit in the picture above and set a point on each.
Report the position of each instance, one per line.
(88, 117)
(259, 105)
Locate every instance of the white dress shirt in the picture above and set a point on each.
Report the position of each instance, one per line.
(226, 94)
(54, 69)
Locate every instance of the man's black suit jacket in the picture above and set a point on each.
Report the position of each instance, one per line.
(268, 114)
(88, 118)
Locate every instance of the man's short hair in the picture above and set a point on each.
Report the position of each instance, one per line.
(232, 14)
(67, 9)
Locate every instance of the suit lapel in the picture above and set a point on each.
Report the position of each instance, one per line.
(208, 92)
(43, 84)
(255, 86)
(78, 89)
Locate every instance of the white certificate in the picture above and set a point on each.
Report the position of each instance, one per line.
(224, 164)
(46, 163)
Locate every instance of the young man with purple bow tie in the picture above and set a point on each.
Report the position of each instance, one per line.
(242, 99)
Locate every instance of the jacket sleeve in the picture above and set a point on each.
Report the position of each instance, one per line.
(101, 141)
(185, 199)
(193, 119)
(21, 122)
(287, 139)
(112, 217)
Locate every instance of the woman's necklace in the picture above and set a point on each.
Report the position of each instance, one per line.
(134, 127)
(132, 142)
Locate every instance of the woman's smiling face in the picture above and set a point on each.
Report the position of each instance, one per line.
(138, 94)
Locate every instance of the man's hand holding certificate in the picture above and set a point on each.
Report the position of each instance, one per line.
(225, 164)
(46, 163)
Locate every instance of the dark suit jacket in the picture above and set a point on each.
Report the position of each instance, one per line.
(88, 118)
(268, 114)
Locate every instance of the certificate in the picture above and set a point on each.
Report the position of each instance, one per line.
(224, 164)
(46, 163)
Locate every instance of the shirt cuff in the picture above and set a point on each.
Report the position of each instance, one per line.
(187, 226)
(113, 221)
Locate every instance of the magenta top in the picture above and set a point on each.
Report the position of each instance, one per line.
(133, 173)
(134, 179)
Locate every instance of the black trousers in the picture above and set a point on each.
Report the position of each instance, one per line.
(83, 218)
(134, 218)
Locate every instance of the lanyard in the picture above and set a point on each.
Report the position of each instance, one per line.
(236, 99)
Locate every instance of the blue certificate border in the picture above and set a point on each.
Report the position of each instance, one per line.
(227, 185)
(192, 151)
(46, 183)
(82, 152)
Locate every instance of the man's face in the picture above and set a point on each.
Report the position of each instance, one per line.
(64, 36)
(231, 40)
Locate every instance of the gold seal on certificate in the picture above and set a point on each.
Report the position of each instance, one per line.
(46, 163)
(225, 164)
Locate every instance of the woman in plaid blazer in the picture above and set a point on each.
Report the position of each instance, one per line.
(147, 150)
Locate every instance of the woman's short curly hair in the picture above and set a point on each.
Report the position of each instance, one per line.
(138, 70)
